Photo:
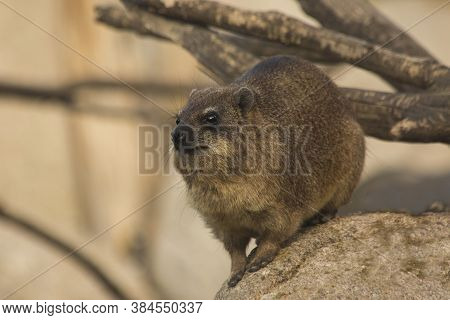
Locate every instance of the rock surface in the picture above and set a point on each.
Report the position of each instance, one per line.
(366, 256)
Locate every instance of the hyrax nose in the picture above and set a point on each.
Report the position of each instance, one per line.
(182, 138)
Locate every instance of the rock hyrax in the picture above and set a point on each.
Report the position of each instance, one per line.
(266, 153)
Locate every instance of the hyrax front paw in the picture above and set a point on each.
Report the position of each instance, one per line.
(262, 255)
(235, 278)
(260, 262)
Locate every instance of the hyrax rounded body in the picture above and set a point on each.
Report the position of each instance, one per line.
(266, 153)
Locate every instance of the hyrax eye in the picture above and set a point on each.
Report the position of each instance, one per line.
(211, 118)
(177, 121)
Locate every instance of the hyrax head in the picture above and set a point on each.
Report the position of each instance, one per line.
(204, 138)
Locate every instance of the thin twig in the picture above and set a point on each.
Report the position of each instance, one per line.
(85, 262)
(66, 96)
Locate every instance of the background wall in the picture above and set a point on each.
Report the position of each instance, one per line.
(76, 174)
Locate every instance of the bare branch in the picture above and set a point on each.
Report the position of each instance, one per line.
(275, 26)
(262, 48)
(401, 116)
(85, 262)
(359, 18)
(66, 96)
(229, 58)
(60, 94)
(378, 113)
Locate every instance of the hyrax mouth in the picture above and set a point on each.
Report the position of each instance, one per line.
(201, 147)
(191, 150)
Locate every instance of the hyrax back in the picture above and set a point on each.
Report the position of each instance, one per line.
(295, 117)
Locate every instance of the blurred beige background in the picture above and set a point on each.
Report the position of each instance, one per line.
(76, 174)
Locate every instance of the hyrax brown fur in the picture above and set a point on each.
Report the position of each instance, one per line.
(321, 148)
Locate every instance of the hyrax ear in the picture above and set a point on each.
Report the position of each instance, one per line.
(244, 98)
(192, 92)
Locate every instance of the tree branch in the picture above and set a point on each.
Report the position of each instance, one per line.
(274, 26)
(401, 116)
(229, 58)
(262, 48)
(66, 96)
(426, 116)
(360, 19)
(85, 262)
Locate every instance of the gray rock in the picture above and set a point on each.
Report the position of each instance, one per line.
(366, 256)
